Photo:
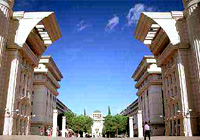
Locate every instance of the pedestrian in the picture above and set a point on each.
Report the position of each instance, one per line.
(146, 131)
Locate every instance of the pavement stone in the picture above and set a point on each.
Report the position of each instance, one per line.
(34, 137)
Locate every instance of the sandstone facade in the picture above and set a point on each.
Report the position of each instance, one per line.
(46, 77)
(173, 38)
(132, 111)
(97, 127)
(24, 36)
(150, 95)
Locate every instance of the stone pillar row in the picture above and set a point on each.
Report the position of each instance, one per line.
(63, 126)
(55, 117)
(131, 127)
(140, 129)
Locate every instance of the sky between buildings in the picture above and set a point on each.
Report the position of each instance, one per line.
(97, 53)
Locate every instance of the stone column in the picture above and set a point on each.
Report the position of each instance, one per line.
(192, 13)
(28, 126)
(5, 16)
(8, 121)
(140, 129)
(63, 126)
(55, 116)
(18, 127)
(173, 128)
(131, 127)
(184, 96)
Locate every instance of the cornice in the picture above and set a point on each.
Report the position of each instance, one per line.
(169, 51)
(51, 66)
(152, 82)
(35, 41)
(30, 54)
(145, 62)
(142, 78)
(52, 78)
(47, 84)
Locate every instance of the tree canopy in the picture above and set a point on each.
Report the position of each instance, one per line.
(114, 125)
(78, 123)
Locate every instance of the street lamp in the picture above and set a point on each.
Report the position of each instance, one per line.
(13, 111)
(186, 113)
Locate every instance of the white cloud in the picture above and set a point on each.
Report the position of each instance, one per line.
(134, 13)
(112, 23)
(81, 26)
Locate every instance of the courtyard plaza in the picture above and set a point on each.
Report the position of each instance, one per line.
(34, 137)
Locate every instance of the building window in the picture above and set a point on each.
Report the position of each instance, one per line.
(23, 92)
(147, 93)
(174, 77)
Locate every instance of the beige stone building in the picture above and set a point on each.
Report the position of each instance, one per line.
(174, 39)
(46, 77)
(24, 36)
(61, 107)
(150, 96)
(97, 126)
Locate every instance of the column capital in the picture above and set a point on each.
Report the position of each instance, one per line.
(55, 111)
(139, 111)
(7, 3)
(188, 3)
(64, 117)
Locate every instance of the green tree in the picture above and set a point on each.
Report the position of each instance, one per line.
(109, 126)
(87, 124)
(121, 123)
(114, 125)
(78, 124)
(69, 118)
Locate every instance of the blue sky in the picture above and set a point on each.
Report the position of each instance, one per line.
(97, 53)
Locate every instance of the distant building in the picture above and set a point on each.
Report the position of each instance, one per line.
(97, 126)
(150, 95)
(132, 111)
(61, 107)
(46, 77)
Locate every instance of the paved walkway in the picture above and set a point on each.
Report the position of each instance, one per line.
(60, 138)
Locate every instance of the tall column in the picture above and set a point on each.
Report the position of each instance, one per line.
(131, 127)
(55, 116)
(18, 127)
(5, 15)
(63, 126)
(28, 125)
(192, 13)
(140, 129)
(184, 96)
(8, 121)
